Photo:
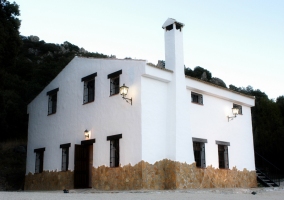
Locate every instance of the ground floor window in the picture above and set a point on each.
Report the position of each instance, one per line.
(114, 149)
(65, 156)
(223, 157)
(199, 152)
(39, 160)
(114, 153)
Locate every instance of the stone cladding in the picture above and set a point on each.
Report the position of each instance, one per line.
(49, 180)
(162, 175)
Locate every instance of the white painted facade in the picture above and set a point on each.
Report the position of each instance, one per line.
(158, 125)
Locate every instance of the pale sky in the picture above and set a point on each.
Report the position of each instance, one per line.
(238, 41)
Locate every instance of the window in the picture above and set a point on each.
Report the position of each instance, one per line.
(239, 107)
(65, 156)
(39, 160)
(114, 85)
(89, 88)
(114, 149)
(223, 154)
(52, 101)
(114, 82)
(199, 151)
(196, 98)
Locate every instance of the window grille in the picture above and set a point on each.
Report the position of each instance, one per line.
(196, 98)
(199, 154)
(223, 157)
(239, 107)
(89, 91)
(65, 155)
(52, 103)
(39, 160)
(114, 153)
(114, 85)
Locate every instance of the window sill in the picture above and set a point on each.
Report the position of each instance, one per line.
(197, 103)
(113, 95)
(88, 102)
(51, 114)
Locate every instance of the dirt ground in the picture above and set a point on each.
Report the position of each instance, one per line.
(202, 194)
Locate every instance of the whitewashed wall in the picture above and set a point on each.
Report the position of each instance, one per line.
(209, 121)
(104, 117)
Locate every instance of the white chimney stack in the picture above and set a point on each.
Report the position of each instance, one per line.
(174, 45)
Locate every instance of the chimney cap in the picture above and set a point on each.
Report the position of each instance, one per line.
(171, 21)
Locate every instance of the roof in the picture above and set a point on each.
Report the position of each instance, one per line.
(78, 56)
(170, 21)
(196, 79)
(160, 68)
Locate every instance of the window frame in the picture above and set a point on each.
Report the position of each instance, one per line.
(199, 154)
(89, 88)
(223, 154)
(39, 157)
(114, 150)
(65, 160)
(196, 98)
(114, 82)
(52, 101)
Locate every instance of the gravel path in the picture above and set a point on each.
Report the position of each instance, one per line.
(203, 194)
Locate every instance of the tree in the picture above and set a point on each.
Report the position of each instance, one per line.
(9, 33)
(197, 72)
(11, 86)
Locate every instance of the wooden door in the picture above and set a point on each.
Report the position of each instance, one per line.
(81, 172)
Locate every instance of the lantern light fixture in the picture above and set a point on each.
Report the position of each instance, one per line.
(123, 90)
(87, 134)
(235, 112)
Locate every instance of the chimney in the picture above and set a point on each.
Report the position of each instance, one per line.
(178, 112)
(174, 45)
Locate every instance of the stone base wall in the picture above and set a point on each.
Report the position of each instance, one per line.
(164, 174)
(167, 174)
(49, 181)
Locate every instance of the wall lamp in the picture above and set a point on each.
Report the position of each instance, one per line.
(87, 134)
(123, 91)
(235, 112)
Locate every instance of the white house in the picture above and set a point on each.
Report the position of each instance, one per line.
(169, 132)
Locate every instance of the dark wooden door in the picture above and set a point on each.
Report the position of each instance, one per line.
(81, 172)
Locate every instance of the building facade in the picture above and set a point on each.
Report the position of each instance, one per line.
(170, 132)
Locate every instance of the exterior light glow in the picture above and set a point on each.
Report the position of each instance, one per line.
(87, 134)
(123, 90)
(235, 112)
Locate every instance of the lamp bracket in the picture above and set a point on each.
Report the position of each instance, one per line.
(231, 118)
(127, 99)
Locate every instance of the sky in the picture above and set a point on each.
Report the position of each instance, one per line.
(238, 41)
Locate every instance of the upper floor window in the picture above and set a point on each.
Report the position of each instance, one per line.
(114, 82)
(196, 98)
(65, 156)
(223, 154)
(239, 107)
(39, 160)
(89, 88)
(52, 101)
(199, 151)
(114, 149)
